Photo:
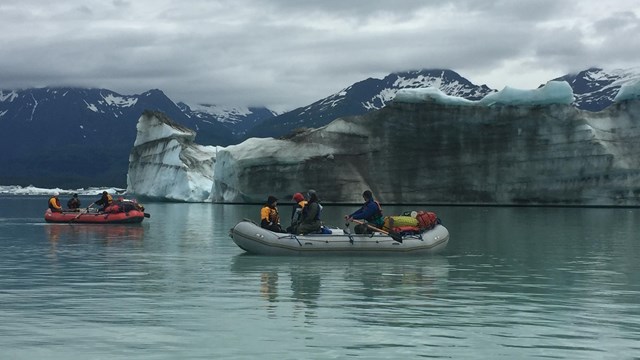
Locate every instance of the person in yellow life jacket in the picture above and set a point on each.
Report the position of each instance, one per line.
(296, 212)
(269, 217)
(54, 203)
(104, 201)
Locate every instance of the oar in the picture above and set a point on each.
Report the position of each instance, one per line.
(346, 231)
(395, 236)
(77, 216)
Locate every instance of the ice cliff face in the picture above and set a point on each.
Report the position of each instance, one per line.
(432, 152)
(165, 163)
(512, 147)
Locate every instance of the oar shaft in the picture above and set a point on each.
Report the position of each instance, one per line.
(370, 226)
(395, 237)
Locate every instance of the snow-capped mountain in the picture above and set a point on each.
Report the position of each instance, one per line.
(368, 95)
(595, 88)
(237, 119)
(78, 137)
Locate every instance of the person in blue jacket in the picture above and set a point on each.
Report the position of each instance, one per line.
(371, 212)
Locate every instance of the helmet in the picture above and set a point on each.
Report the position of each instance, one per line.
(367, 194)
(310, 192)
(297, 197)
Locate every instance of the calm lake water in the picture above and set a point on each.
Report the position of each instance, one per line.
(514, 283)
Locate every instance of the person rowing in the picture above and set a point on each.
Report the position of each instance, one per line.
(104, 201)
(370, 211)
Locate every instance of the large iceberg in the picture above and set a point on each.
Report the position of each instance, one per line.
(249, 171)
(517, 147)
(628, 91)
(166, 164)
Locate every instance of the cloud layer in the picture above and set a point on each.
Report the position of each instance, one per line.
(286, 54)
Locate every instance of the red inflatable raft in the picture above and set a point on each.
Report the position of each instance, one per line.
(122, 212)
(131, 217)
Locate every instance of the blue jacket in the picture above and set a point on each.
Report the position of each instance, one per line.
(370, 211)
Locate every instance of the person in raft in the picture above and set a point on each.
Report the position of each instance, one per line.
(296, 212)
(74, 203)
(371, 212)
(269, 217)
(54, 203)
(104, 201)
(310, 222)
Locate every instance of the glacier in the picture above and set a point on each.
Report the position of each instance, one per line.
(166, 164)
(511, 147)
(553, 92)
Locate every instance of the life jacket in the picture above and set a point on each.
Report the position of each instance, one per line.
(306, 209)
(54, 204)
(270, 214)
(377, 217)
(105, 200)
(296, 215)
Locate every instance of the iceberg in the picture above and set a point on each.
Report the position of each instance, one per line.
(628, 91)
(33, 190)
(553, 92)
(166, 164)
(246, 172)
(516, 147)
(433, 94)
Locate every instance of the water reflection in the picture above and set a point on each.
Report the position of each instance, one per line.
(281, 280)
(269, 285)
(79, 232)
(522, 283)
(309, 281)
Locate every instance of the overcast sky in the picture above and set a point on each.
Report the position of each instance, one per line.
(290, 53)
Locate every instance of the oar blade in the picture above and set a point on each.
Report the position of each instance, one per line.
(395, 236)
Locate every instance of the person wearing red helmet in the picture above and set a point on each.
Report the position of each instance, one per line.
(299, 203)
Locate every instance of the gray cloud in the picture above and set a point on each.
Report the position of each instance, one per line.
(286, 53)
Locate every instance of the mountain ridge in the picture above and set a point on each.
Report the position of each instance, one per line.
(83, 136)
(78, 136)
(595, 88)
(367, 95)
